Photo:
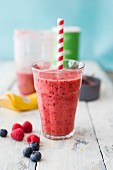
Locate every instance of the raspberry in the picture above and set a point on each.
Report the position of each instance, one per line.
(33, 138)
(27, 127)
(17, 134)
(16, 126)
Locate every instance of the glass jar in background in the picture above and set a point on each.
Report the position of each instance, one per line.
(30, 46)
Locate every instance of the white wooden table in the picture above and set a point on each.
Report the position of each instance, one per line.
(91, 148)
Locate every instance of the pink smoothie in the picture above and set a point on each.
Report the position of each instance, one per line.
(25, 83)
(57, 97)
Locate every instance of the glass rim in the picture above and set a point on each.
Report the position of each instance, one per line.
(81, 66)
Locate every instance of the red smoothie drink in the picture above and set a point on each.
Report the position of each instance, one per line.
(25, 83)
(57, 93)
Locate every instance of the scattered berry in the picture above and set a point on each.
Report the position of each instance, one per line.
(34, 146)
(3, 132)
(33, 138)
(16, 126)
(27, 127)
(27, 152)
(35, 156)
(17, 134)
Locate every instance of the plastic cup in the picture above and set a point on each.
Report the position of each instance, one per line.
(57, 93)
(71, 43)
(30, 46)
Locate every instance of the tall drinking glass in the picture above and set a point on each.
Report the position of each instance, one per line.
(58, 93)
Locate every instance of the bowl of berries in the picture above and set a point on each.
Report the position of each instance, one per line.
(90, 88)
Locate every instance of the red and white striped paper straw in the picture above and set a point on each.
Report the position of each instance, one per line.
(60, 41)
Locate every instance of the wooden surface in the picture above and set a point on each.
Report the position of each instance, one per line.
(91, 147)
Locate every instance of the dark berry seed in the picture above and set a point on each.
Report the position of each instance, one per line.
(27, 152)
(3, 132)
(34, 146)
(35, 156)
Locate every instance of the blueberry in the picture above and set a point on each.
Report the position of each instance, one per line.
(34, 146)
(27, 152)
(35, 156)
(3, 132)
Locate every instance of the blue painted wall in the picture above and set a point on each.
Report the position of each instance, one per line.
(94, 17)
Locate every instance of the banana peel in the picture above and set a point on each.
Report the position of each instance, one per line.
(18, 103)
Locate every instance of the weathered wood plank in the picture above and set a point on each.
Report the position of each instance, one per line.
(60, 154)
(81, 152)
(11, 153)
(7, 75)
(101, 115)
(30, 165)
(12, 150)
